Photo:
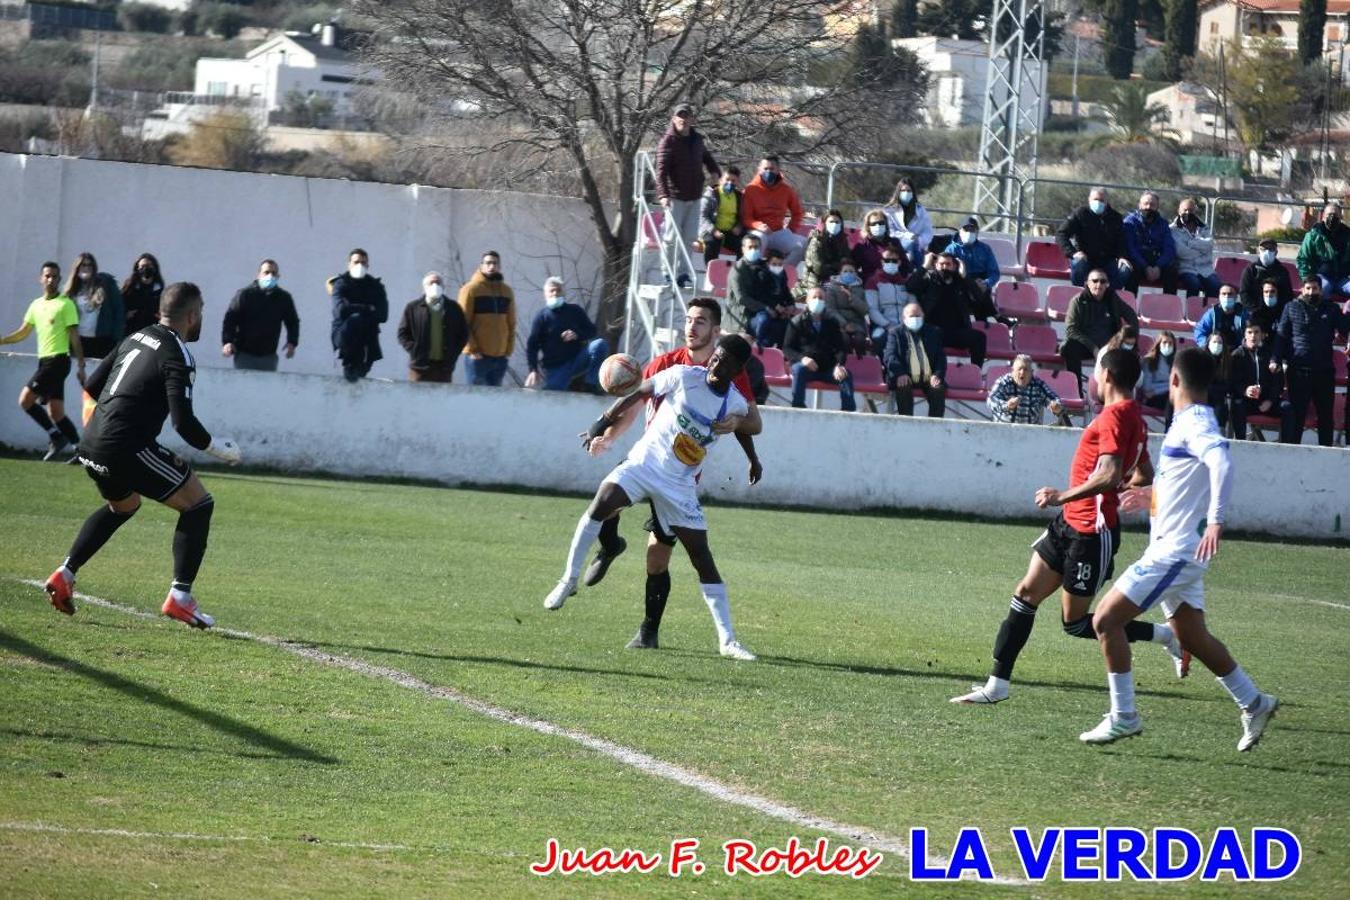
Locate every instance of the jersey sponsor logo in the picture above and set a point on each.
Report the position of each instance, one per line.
(687, 450)
(143, 338)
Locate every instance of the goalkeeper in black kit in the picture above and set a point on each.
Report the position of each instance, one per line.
(146, 380)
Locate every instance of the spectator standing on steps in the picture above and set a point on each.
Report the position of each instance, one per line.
(681, 157)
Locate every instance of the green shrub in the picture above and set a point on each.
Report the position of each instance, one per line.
(145, 17)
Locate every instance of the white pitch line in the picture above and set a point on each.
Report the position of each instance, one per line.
(190, 836)
(636, 759)
(1307, 600)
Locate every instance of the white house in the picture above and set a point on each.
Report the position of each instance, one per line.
(958, 72)
(1193, 113)
(1225, 20)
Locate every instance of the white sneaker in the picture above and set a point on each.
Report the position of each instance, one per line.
(734, 650)
(1181, 657)
(1255, 720)
(565, 588)
(1113, 728)
(980, 696)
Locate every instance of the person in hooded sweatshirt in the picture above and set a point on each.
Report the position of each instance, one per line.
(489, 307)
(771, 210)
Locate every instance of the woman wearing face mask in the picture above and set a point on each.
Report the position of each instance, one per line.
(1221, 350)
(826, 249)
(1156, 370)
(876, 238)
(909, 221)
(140, 293)
(847, 301)
(99, 302)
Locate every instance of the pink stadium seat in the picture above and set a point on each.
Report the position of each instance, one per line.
(1195, 308)
(1020, 300)
(1338, 361)
(1145, 344)
(718, 270)
(1066, 385)
(999, 340)
(1057, 300)
(868, 377)
(1038, 340)
(965, 382)
(1184, 341)
(1294, 277)
(1005, 251)
(855, 236)
(1044, 260)
(1130, 300)
(775, 366)
(994, 373)
(1163, 311)
(1230, 269)
(651, 229)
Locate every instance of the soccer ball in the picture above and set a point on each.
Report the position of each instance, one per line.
(620, 375)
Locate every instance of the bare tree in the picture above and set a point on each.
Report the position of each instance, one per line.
(585, 84)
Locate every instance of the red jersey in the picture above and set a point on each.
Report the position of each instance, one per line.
(680, 357)
(1120, 432)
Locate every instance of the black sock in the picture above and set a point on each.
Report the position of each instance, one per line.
(1081, 628)
(100, 526)
(1134, 631)
(39, 415)
(658, 592)
(609, 534)
(1012, 637)
(1138, 631)
(67, 428)
(189, 540)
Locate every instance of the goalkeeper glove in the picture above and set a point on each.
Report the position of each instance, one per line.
(225, 450)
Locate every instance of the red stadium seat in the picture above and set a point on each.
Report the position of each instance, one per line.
(1295, 279)
(791, 272)
(1145, 344)
(718, 270)
(868, 377)
(1195, 308)
(1044, 260)
(652, 228)
(1160, 311)
(1005, 251)
(1020, 300)
(855, 236)
(965, 382)
(998, 340)
(1339, 363)
(804, 228)
(1066, 385)
(1057, 300)
(1040, 341)
(1129, 299)
(1230, 269)
(994, 373)
(775, 366)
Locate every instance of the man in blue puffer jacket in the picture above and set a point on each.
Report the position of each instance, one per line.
(1151, 249)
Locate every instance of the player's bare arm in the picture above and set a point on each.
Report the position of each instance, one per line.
(17, 335)
(748, 445)
(615, 413)
(1105, 477)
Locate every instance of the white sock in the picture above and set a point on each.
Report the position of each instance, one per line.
(1162, 634)
(995, 686)
(587, 531)
(179, 595)
(1122, 694)
(715, 595)
(1240, 685)
(67, 573)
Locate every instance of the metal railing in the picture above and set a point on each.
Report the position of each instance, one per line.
(651, 302)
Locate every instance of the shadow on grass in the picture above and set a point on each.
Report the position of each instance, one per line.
(93, 740)
(276, 746)
(1239, 761)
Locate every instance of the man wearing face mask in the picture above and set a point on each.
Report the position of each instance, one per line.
(914, 360)
(433, 332)
(826, 251)
(1227, 317)
(887, 294)
(767, 202)
(1303, 344)
(846, 301)
(681, 157)
(751, 289)
(976, 259)
(815, 347)
(254, 319)
(562, 344)
(1093, 237)
(1253, 389)
(719, 225)
(489, 307)
(1149, 246)
(1325, 252)
(1251, 288)
(360, 307)
(948, 300)
(1195, 251)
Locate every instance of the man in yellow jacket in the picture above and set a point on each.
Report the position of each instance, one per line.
(490, 312)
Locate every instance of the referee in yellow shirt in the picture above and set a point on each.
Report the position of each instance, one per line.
(56, 320)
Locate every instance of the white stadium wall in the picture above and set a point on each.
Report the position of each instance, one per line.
(213, 228)
(825, 460)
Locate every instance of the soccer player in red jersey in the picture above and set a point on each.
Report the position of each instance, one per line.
(702, 327)
(1077, 552)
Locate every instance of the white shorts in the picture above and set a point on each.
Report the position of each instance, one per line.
(676, 504)
(1171, 581)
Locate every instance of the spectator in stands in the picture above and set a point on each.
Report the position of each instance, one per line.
(771, 326)
(887, 294)
(826, 251)
(1094, 317)
(99, 302)
(1019, 396)
(433, 332)
(1260, 306)
(562, 344)
(846, 301)
(1303, 345)
(140, 293)
(769, 201)
(1221, 351)
(914, 360)
(360, 307)
(254, 319)
(681, 157)
(750, 288)
(1226, 316)
(1156, 371)
(975, 258)
(1195, 251)
(816, 349)
(1149, 246)
(1093, 237)
(719, 225)
(1253, 386)
(1325, 252)
(1267, 315)
(947, 299)
(489, 307)
(909, 221)
(876, 239)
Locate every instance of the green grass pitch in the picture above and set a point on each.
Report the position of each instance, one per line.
(181, 763)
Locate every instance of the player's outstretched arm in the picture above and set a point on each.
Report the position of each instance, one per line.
(1106, 477)
(750, 424)
(610, 417)
(15, 336)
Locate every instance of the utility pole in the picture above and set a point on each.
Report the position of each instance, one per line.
(1076, 42)
(93, 86)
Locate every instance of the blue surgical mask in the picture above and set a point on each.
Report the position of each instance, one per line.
(1166, 350)
(816, 305)
(967, 237)
(849, 278)
(728, 188)
(1267, 257)
(777, 270)
(752, 254)
(906, 197)
(768, 177)
(555, 301)
(914, 323)
(876, 229)
(267, 282)
(1127, 345)
(1097, 206)
(1228, 304)
(1271, 300)
(890, 268)
(1215, 347)
(833, 228)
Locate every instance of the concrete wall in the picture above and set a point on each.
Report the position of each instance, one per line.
(214, 227)
(828, 460)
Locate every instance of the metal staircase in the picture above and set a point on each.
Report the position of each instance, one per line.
(656, 304)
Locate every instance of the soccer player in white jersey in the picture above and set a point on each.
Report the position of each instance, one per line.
(698, 405)
(1189, 503)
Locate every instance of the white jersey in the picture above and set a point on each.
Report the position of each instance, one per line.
(1191, 485)
(679, 435)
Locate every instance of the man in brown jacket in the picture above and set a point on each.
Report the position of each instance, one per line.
(490, 313)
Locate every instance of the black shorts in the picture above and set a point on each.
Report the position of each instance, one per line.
(653, 524)
(49, 381)
(152, 472)
(1085, 561)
